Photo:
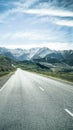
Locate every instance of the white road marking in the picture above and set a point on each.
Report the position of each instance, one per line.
(5, 85)
(41, 88)
(71, 114)
(2, 88)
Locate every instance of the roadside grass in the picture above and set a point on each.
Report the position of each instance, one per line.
(32, 67)
(61, 75)
(5, 66)
(6, 72)
(5, 77)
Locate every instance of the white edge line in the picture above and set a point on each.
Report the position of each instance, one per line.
(4, 86)
(41, 88)
(71, 114)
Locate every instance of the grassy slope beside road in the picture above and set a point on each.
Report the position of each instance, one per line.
(6, 69)
(65, 75)
(3, 79)
(6, 65)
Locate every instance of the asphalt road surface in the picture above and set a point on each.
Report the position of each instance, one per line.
(29, 101)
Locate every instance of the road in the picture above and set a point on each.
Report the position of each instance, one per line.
(30, 101)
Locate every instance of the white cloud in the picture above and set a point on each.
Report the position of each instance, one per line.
(26, 4)
(15, 38)
(64, 22)
(53, 46)
(29, 35)
(20, 8)
(49, 12)
(6, 36)
(34, 35)
(43, 8)
(59, 46)
(20, 46)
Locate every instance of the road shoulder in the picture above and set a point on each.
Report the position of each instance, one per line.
(4, 79)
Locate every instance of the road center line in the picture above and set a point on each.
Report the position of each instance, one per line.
(41, 88)
(71, 114)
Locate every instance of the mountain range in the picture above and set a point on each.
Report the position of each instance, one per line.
(43, 54)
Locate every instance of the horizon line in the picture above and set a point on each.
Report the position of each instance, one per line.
(24, 48)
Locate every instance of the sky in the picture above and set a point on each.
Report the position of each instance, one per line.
(36, 23)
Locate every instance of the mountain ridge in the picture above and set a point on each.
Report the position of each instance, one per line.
(39, 54)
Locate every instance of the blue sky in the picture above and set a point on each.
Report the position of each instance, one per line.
(36, 23)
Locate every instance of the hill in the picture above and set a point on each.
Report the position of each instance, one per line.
(6, 65)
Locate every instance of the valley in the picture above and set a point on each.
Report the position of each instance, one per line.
(58, 64)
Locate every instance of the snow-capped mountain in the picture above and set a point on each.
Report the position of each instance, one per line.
(17, 52)
(6, 52)
(65, 56)
(22, 54)
(38, 54)
(3, 50)
(31, 52)
(42, 52)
